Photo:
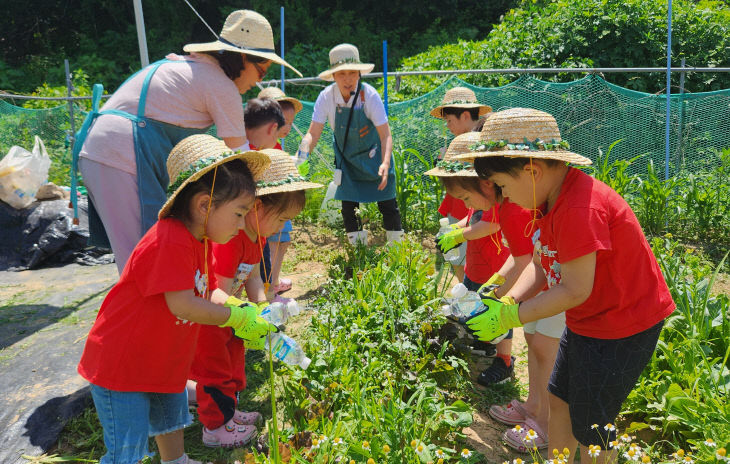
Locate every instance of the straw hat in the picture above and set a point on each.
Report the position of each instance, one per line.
(197, 154)
(246, 32)
(282, 175)
(460, 97)
(523, 133)
(345, 57)
(449, 166)
(275, 93)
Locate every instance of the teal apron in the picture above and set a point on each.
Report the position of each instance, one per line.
(360, 160)
(153, 141)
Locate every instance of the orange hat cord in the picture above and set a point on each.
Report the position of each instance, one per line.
(531, 226)
(492, 236)
(267, 277)
(205, 236)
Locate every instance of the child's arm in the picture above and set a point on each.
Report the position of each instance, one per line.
(528, 284)
(511, 270)
(255, 286)
(386, 145)
(225, 284)
(480, 229)
(186, 305)
(312, 136)
(576, 285)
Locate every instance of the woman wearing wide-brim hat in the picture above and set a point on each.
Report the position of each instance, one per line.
(123, 147)
(362, 142)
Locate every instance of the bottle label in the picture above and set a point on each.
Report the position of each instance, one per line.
(281, 349)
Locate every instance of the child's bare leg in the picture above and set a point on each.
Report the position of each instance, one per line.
(459, 272)
(278, 250)
(532, 403)
(170, 445)
(545, 350)
(560, 429)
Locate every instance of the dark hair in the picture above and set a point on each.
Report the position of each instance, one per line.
(261, 111)
(277, 203)
(232, 63)
(473, 112)
(470, 184)
(232, 180)
(286, 105)
(479, 125)
(485, 167)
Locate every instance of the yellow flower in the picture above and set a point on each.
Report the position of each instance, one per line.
(645, 459)
(530, 436)
(440, 453)
(337, 441)
(371, 461)
(555, 452)
(315, 443)
(517, 461)
(333, 385)
(440, 461)
(594, 451)
(366, 445)
(688, 460)
(413, 443)
(465, 453)
(680, 452)
(594, 426)
(626, 438)
(352, 461)
(710, 442)
(566, 451)
(386, 449)
(721, 454)
(419, 449)
(609, 427)
(517, 428)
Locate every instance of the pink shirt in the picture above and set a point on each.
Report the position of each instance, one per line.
(194, 94)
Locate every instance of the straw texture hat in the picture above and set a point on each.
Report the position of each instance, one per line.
(282, 175)
(345, 57)
(449, 166)
(460, 97)
(275, 93)
(523, 133)
(197, 154)
(246, 32)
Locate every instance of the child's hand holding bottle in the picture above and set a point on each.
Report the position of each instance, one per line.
(246, 322)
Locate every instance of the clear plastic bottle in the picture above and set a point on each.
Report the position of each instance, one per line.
(464, 304)
(302, 153)
(286, 349)
(277, 313)
(452, 255)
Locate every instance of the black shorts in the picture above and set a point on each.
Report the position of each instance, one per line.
(594, 376)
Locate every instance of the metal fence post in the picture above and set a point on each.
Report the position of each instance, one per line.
(69, 90)
(680, 128)
(385, 75)
(282, 47)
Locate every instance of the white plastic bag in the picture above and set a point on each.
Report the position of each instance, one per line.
(329, 211)
(22, 173)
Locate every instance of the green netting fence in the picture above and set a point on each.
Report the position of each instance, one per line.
(591, 114)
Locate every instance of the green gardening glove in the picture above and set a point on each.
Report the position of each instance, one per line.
(500, 316)
(246, 322)
(487, 290)
(451, 240)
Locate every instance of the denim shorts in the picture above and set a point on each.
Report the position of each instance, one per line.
(130, 418)
(282, 235)
(594, 376)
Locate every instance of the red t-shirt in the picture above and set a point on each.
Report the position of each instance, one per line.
(454, 207)
(484, 256)
(629, 292)
(516, 225)
(136, 343)
(237, 258)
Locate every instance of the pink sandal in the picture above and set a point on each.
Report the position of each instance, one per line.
(229, 435)
(247, 418)
(522, 442)
(511, 414)
(283, 286)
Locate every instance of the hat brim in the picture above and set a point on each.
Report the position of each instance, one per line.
(559, 155)
(364, 68)
(297, 104)
(483, 109)
(292, 187)
(441, 172)
(218, 45)
(257, 163)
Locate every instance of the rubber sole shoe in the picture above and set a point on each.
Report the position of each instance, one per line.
(497, 373)
(483, 349)
(229, 435)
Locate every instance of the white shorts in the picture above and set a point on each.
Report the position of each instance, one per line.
(552, 326)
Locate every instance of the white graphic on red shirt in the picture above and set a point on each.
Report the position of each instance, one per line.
(549, 260)
(242, 273)
(200, 289)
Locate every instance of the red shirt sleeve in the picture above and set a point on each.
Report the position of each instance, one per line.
(579, 231)
(227, 256)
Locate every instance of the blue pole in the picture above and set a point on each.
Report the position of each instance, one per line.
(282, 47)
(669, 88)
(385, 75)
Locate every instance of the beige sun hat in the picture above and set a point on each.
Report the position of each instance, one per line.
(449, 166)
(523, 133)
(282, 175)
(345, 57)
(197, 154)
(460, 97)
(275, 93)
(246, 32)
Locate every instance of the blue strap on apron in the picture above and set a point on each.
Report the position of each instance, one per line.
(153, 141)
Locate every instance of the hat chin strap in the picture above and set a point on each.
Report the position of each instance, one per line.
(205, 236)
(242, 47)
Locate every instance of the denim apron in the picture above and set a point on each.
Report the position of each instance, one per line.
(360, 160)
(153, 141)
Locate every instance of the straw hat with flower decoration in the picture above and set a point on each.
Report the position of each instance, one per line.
(197, 154)
(275, 93)
(282, 175)
(460, 97)
(523, 133)
(345, 57)
(246, 32)
(449, 166)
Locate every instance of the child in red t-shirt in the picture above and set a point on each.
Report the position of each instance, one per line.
(139, 352)
(219, 366)
(600, 270)
(461, 112)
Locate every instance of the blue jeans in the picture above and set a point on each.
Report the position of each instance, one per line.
(130, 418)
